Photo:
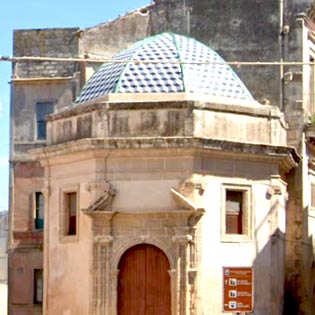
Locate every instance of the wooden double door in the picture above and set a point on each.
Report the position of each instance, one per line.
(144, 282)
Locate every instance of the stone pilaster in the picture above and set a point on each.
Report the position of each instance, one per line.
(182, 294)
(101, 275)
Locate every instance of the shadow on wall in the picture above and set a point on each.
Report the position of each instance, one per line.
(270, 259)
(270, 264)
(296, 285)
(287, 285)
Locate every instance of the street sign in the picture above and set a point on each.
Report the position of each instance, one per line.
(238, 288)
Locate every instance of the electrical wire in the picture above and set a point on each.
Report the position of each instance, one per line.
(111, 60)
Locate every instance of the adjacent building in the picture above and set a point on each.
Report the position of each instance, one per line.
(163, 165)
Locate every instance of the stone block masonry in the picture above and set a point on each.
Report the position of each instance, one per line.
(61, 42)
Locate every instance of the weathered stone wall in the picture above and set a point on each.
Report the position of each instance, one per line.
(28, 178)
(25, 97)
(25, 243)
(21, 270)
(297, 91)
(251, 124)
(62, 42)
(107, 39)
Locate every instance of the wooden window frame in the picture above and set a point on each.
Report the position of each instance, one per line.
(247, 220)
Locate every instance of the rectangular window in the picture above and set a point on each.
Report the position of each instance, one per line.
(70, 213)
(42, 110)
(236, 212)
(39, 211)
(38, 286)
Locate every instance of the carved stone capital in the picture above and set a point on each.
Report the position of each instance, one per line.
(274, 190)
(103, 239)
(277, 186)
(191, 186)
(98, 186)
(182, 239)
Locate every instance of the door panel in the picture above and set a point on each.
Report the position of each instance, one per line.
(144, 282)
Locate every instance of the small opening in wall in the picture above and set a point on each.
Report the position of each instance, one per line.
(70, 213)
(234, 212)
(38, 286)
(39, 211)
(42, 110)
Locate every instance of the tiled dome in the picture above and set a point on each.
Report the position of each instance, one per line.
(166, 63)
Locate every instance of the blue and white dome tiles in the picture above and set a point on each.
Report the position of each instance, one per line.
(166, 63)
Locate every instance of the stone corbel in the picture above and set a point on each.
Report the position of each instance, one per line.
(189, 196)
(274, 190)
(277, 187)
(102, 203)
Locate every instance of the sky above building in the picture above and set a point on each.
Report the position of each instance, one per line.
(33, 14)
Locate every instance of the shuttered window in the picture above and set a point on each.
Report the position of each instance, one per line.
(39, 211)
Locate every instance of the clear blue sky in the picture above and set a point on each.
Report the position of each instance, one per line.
(21, 14)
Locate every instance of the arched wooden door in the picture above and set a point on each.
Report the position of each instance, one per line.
(144, 282)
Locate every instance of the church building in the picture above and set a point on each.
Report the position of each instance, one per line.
(141, 181)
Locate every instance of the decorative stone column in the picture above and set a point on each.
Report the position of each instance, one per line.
(101, 215)
(189, 197)
(182, 296)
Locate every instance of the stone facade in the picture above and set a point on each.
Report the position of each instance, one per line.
(252, 30)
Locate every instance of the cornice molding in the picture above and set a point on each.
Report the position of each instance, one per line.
(286, 157)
